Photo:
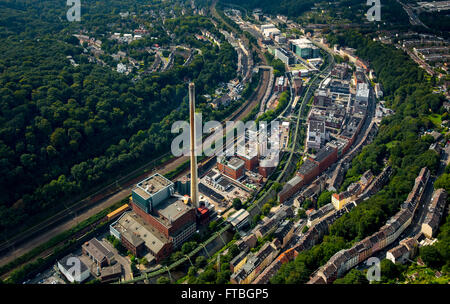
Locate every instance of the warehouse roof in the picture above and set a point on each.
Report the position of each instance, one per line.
(133, 226)
(151, 185)
(324, 153)
(307, 167)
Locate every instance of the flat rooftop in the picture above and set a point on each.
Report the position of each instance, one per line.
(235, 163)
(317, 126)
(171, 210)
(148, 187)
(131, 224)
(307, 167)
(324, 153)
(68, 265)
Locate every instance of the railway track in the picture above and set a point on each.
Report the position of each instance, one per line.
(19, 241)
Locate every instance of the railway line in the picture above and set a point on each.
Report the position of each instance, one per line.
(19, 244)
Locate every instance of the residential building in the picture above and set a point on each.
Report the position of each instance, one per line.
(362, 92)
(403, 252)
(434, 213)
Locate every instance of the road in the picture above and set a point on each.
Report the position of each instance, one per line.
(419, 61)
(413, 19)
(43, 232)
(416, 224)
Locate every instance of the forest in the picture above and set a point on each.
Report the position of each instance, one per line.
(337, 10)
(399, 142)
(65, 129)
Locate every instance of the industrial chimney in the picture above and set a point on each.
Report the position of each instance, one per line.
(194, 180)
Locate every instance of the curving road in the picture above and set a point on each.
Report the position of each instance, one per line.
(39, 234)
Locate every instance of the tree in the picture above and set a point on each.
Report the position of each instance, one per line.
(212, 225)
(324, 198)
(443, 181)
(163, 280)
(308, 204)
(431, 257)
(354, 276)
(301, 213)
(389, 270)
(58, 138)
(176, 256)
(192, 271)
(266, 209)
(223, 277)
(234, 250)
(276, 185)
(188, 247)
(200, 261)
(237, 203)
(207, 276)
(144, 261)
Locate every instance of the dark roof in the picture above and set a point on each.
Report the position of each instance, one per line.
(97, 250)
(111, 270)
(324, 153)
(307, 167)
(283, 229)
(237, 259)
(224, 182)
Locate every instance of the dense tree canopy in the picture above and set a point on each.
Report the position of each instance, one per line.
(65, 129)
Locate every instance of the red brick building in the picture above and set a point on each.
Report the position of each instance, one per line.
(308, 171)
(233, 168)
(250, 163)
(265, 171)
(166, 226)
(325, 158)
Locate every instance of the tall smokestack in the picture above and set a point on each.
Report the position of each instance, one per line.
(194, 180)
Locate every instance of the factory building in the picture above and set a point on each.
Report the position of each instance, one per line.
(161, 221)
(304, 48)
(284, 56)
(309, 170)
(137, 235)
(250, 161)
(233, 168)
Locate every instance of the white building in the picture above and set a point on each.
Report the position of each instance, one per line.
(73, 269)
(316, 134)
(269, 29)
(362, 92)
